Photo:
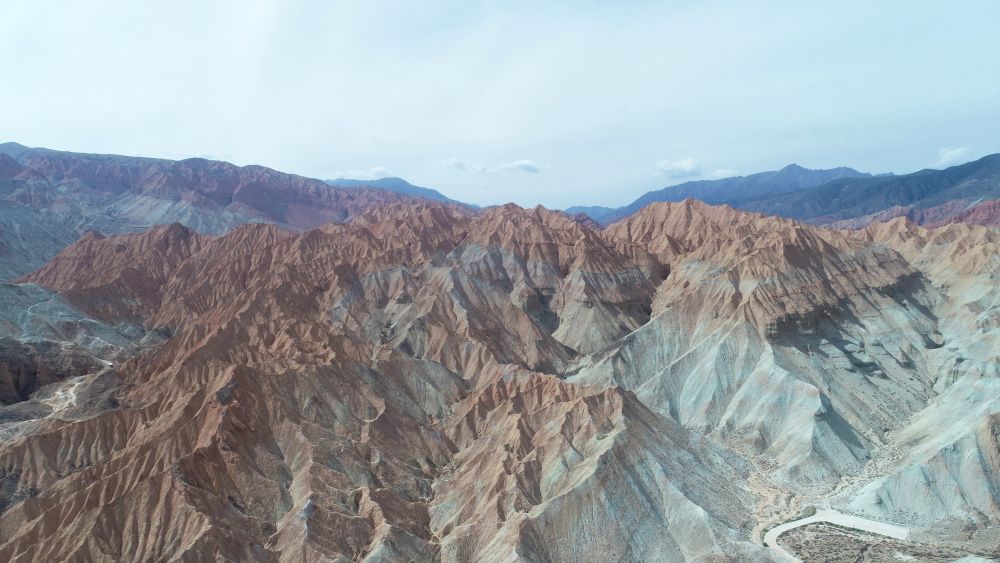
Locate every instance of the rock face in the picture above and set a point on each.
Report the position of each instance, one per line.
(946, 477)
(424, 383)
(49, 198)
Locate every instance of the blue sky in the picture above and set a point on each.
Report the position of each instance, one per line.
(566, 103)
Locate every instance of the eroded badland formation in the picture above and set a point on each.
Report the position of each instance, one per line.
(427, 382)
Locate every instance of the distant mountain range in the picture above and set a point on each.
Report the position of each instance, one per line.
(842, 197)
(730, 191)
(847, 199)
(49, 198)
(393, 184)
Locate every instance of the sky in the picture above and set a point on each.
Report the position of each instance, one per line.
(554, 103)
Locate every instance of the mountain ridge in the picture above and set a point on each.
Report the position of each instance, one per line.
(849, 198)
(734, 190)
(52, 197)
(395, 184)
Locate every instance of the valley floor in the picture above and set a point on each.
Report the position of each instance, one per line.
(827, 542)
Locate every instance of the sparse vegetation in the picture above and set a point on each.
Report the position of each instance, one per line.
(829, 543)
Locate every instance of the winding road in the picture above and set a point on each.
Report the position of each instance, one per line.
(833, 517)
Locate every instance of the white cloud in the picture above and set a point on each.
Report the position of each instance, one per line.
(373, 173)
(950, 156)
(721, 173)
(457, 164)
(683, 168)
(523, 165)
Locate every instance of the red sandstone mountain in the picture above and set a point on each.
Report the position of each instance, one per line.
(419, 383)
(255, 191)
(49, 198)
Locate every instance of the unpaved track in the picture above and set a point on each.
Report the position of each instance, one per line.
(65, 397)
(839, 519)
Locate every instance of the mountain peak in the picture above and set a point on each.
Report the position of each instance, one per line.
(13, 149)
(794, 168)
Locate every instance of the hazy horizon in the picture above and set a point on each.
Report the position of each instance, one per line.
(561, 105)
(622, 203)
